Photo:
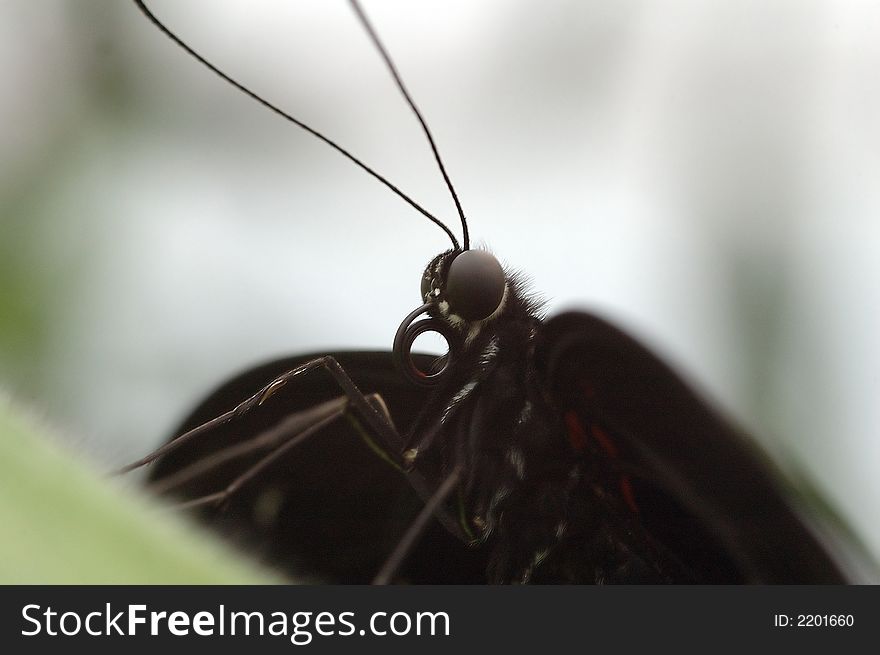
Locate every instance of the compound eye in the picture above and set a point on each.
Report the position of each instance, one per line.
(475, 285)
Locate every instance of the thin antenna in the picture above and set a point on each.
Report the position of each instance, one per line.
(345, 153)
(393, 70)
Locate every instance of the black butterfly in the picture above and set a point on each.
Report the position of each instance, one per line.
(536, 450)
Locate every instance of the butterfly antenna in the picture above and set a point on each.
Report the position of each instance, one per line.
(400, 85)
(315, 133)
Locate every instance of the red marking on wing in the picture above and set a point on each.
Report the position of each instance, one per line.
(608, 445)
(604, 440)
(577, 436)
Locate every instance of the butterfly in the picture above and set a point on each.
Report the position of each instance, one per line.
(536, 450)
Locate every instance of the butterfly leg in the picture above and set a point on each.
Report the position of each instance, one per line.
(368, 414)
(375, 420)
(404, 547)
(290, 428)
(288, 434)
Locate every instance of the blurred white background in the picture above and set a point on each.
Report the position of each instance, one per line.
(705, 173)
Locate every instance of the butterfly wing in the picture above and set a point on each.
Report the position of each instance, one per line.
(702, 491)
(331, 510)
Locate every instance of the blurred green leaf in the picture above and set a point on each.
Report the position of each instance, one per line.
(63, 523)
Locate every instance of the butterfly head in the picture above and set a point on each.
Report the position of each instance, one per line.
(461, 290)
(464, 287)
